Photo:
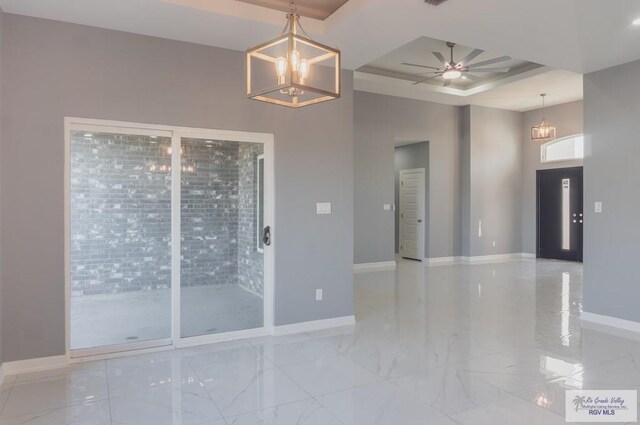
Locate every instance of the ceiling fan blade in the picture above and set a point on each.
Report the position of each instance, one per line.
(490, 70)
(420, 66)
(471, 56)
(446, 83)
(423, 80)
(440, 58)
(489, 62)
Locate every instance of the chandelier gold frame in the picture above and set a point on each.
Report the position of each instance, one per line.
(292, 70)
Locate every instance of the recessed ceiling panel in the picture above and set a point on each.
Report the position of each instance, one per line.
(421, 52)
(317, 9)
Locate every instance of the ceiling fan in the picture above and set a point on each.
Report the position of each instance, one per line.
(452, 70)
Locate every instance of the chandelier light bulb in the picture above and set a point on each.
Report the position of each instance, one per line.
(295, 60)
(281, 69)
(304, 70)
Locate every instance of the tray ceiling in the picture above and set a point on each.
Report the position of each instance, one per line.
(317, 9)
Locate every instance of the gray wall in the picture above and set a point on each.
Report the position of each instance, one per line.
(567, 118)
(415, 155)
(465, 181)
(1, 154)
(492, 152)
(381, 122)
(54, 69)
(611, 175)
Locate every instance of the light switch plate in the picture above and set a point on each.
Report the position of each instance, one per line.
(386, 207)
(598, 207)
(323, 208)
(319, 295)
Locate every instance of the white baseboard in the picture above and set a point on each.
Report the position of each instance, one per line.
(314, 325)
(34, 365)
(612, 325)
(441, 261)
(497, 258)
(374, 267)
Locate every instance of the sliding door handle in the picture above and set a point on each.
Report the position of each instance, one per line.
(266, 236)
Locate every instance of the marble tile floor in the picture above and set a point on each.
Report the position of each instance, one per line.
(111, 319)
(463, 344)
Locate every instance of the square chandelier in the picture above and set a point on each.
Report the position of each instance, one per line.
(543, 131)
(292, 70)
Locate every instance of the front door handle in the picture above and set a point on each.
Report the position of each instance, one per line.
(266, 236)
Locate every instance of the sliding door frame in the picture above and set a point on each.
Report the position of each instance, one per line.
(176, 134)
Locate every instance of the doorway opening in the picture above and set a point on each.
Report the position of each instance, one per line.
(164, 236)
(560, 214)
(411, 163)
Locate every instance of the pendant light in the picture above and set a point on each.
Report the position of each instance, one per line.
(543, 131)
(293, 70)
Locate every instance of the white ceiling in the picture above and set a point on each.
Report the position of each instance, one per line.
(576, 35)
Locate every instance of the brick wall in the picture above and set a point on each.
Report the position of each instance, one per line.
(121, 214)
(250, 261)
(209, 207)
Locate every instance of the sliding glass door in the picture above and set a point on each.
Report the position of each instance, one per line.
(222, 267)
(165, 236)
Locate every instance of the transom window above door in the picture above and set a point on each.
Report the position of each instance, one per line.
(563, 149)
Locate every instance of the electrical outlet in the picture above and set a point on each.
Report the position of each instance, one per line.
(598, 207)
(319, 295)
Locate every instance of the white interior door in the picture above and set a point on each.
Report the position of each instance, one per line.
(412, 213)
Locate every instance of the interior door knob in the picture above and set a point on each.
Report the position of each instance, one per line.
(419, 220)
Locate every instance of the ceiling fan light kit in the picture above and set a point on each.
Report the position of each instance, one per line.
(543, 131)
(452, 70)
(293, 70)
(451, 74)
